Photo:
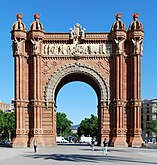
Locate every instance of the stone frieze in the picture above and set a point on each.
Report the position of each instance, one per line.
(72, 49)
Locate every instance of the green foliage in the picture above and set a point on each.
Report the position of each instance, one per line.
(7, 123)
(63, 125)
(2, 121)
(153, 126)
(88, 126)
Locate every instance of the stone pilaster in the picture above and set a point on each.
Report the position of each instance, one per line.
(35, 37)
(118, 81)
(104, 122)
(18, 35)
(119, 124)
(49, 130)
(135, 36)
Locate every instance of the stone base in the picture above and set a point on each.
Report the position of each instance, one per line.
(20, 142)
(136, 142)
(100, 143)
(118, 142)
(43, 141)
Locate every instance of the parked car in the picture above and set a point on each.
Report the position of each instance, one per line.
(60, 139)
(84, 139)
(5, 143)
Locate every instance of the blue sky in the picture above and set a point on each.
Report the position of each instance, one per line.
(95, 16)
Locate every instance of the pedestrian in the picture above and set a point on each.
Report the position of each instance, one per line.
(105, 149)
(35, 145)
(92, 144)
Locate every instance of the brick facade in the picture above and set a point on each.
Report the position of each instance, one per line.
(4, 106)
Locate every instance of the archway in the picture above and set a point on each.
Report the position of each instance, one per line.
(84, 73)
(109, 62)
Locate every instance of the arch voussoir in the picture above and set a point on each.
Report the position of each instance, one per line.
(76, 68)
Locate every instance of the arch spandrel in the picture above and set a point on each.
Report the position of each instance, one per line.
(77, 68)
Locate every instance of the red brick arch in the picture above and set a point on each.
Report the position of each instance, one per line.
(109, 62)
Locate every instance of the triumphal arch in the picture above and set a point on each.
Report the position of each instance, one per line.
(110, 62)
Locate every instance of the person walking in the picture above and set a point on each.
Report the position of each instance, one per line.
(92, 144)
(35, 145)
(105, 149)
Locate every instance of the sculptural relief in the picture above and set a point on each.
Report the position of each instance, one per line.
(72, 49)
(119, 44)
(16, 45)
(35, 45)
(138, 45)
(76, 33)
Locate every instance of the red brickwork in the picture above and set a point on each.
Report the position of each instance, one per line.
(109, 62)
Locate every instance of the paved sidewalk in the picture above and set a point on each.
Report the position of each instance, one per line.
(77, 154)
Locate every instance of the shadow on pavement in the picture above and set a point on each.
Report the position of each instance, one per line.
(72, 144)
(87, 158)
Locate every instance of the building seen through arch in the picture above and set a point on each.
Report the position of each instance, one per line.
(109, 62)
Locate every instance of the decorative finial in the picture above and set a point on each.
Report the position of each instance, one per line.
(19, 16)
(118, 16)
(135, 16)
(36, 16)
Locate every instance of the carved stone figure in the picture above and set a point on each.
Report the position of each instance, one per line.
(83, 33)
(35, 45)
(119, 44)
(77, 33)
(64, 49)
(71, 33)
(137, 45)
(45, 49)
(108, 49)
(94, 49)
(103, 49)
(16, 45)
(77, 30)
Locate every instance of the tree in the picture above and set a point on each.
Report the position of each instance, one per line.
(7, 124)
(2, 121)
(63, 125)
(153, 126)
(88, 126)
(10, 122)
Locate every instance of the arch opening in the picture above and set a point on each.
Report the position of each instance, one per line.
(90, 82)
(78, 77)
(77, 100)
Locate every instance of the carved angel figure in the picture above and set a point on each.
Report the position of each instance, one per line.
(119, 44)
(35, 45)
(16, 45)
(137, 45)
